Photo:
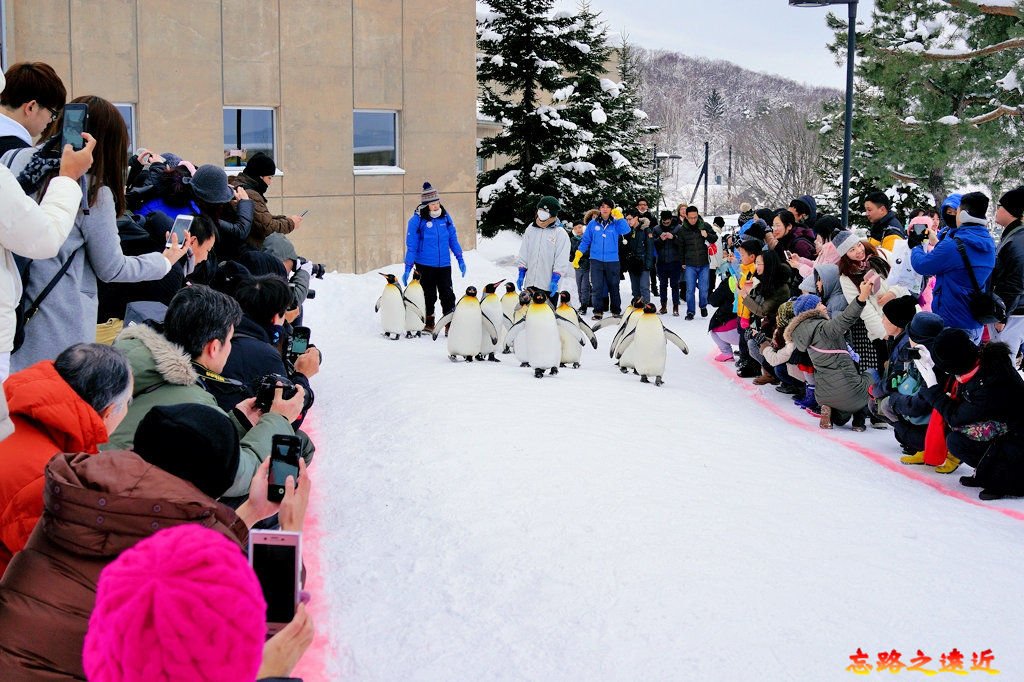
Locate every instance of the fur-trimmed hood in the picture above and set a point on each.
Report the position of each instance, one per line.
(809, 315)
(154, 359)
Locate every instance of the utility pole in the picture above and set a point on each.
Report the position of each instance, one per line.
(707, 147)
(729, 190)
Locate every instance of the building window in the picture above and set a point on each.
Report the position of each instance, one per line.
(375, 139)
(127, 112)
(247, 131)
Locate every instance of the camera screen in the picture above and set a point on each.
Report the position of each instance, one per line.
(74, 125)
(275, 567)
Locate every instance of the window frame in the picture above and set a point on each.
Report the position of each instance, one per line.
(133, 123)
(235, 170)
(395, 169)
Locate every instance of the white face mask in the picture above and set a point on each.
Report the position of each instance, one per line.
(542, 215)
(435, 214)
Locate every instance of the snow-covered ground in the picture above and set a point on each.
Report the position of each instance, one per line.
(476, 523)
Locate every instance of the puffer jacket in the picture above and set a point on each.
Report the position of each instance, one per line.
(164, 375)
(839, 382)
(49, 418)
(544, 252)
(953, 286)
(886, 231)
(601, 239)
(94, 508)
(669, 250)
(31, 230)
(428, 240)
(1008, 276)
(993, 393)
(764, 305)
(695, 247)
(263, 221)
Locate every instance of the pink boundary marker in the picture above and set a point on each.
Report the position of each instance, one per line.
(886, 461)
(312, 667)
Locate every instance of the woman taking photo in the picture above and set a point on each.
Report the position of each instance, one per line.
(67, 315)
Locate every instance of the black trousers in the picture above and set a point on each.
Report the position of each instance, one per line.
(437, 282)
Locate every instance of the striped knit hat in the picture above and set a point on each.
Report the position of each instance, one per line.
(429, 195)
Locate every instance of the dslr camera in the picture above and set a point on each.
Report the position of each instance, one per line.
(267, 387)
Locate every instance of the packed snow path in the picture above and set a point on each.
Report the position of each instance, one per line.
(479, 524)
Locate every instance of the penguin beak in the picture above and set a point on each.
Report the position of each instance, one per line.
(382, 274)
(498, 283)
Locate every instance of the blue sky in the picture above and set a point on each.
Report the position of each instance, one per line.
(761, 35)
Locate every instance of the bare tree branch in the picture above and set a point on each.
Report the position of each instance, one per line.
(1011, 44)
(983, 7)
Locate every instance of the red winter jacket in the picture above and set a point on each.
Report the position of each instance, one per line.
(49, 418)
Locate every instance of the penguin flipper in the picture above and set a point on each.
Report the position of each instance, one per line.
(489, 328)
(572, 329)
(513, 332)
(376, 308)
(677, 340)
(604, 322)
(626, 342)
(439, 325)
(415, 309)
(588, 332)
(506, 321)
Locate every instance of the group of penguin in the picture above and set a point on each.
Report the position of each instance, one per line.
(542, 336)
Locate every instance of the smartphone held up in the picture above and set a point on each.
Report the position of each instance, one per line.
(76, 119)
(276, 558)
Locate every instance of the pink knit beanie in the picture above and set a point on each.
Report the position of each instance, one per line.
(180, 605)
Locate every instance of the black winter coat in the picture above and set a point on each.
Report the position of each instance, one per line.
(1007, 279)
(887, 226)
(669, 250)
(721, 299)
(695, 247)
(994, 393)
(639, 249)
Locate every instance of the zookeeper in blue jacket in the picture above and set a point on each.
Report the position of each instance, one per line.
(601, 242)
(430, 237)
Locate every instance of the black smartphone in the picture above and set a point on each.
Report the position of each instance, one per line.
(914, 353)
(284, 462)
(299, 342)
(276, 559)
(303, 214)
(182, 224)
(76, 117)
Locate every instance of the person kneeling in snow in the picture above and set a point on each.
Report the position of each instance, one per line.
(841, 387)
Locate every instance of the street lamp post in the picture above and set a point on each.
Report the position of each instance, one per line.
(658, 158)
(851, 51)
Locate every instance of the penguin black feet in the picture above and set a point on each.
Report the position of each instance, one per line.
(624, 370)
(408, 335)
(561, 364)
(636, 372)
(491, 358)
(453, 358)
(538, 373)
(469, 358)
(575, 365)
(524, 364)
(658, 381)
(644, 379)
(554, 371)
(480, 357)
(507, 351)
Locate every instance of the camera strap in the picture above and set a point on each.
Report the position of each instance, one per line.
(209, 375)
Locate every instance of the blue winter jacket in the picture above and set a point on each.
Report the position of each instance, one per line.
(601, 239)
(428, 240)
(953, 285)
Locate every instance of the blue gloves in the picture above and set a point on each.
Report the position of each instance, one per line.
(405, 275)
(522, 276)
(553, 287)
(462, 267)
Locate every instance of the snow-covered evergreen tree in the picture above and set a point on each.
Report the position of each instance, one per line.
(570, 131)
(940, 92)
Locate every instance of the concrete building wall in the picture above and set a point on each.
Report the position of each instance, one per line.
(314, 62)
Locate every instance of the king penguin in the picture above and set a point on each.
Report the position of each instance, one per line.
(415, 305)
(518, 314)
(468, 324)
(491, 309)
(572, 351)
(538, 332)
(647, 341)
(391, 306)
(509, 303)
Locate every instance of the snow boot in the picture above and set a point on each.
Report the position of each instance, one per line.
(748, 370)
(675, 311)
(858, 421)
(916, 458)
(689, 316)
(703, 312)
(790, 389)
(663, 310)
(951, 464)
(971, 482)
(826, 417)
(765, 378)
(807, 400)
(723, 357)
(428, 324)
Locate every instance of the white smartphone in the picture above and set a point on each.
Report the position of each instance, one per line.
(182, 224)
(276, 558)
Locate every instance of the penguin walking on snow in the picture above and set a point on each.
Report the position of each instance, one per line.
(572, 351)
(468, 324)
(647, 341)
(415, 305)
(538, 334)
(391, 306)
(520, 313)
(490, 306)
(509, 303)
